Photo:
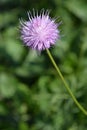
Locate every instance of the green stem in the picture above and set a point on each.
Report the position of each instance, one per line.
(65, 83)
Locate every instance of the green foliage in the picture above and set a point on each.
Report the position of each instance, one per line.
(32, 96)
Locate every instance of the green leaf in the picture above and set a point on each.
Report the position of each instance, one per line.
(78, 7)
(8, 85)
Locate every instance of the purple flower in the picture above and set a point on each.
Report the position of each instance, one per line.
(40, 31)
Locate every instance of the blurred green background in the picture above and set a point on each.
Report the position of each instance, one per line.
(32, 96)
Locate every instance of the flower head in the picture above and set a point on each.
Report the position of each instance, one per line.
(40, 31)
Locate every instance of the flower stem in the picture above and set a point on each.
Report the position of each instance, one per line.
(65, 83)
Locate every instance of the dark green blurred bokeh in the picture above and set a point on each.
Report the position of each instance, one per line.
(32, 96)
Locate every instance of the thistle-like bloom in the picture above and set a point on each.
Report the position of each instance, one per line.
(40, 31)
